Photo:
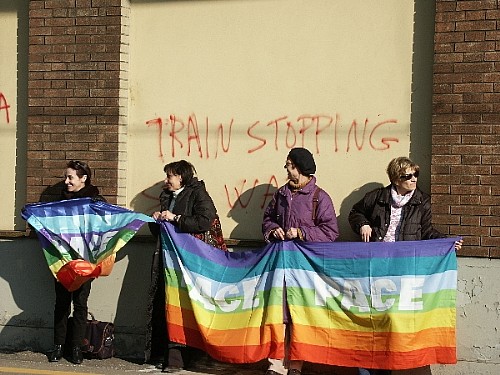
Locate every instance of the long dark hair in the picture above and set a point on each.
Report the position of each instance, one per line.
(81, 168)
(181, 168)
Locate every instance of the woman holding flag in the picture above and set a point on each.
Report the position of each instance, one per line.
(185, 203)
(77, 181)
(397, 212)
(301, 211)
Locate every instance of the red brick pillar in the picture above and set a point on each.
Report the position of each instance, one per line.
(466, 124)
(74, 91)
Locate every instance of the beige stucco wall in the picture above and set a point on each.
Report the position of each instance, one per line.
(27, 297)
(274, 74)
(8, 113)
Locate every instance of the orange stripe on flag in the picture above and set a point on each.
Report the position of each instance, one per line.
(378, 341)
(374, 359)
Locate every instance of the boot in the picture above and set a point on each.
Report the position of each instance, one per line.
(76, 356)
(173, 361)
(56, 354)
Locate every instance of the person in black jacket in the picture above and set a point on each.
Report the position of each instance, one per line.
(77, 180)
(397, 212)
(184, 202)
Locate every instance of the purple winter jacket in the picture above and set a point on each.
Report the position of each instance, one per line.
(287, 212)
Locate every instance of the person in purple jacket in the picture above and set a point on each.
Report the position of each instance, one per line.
(302, 211)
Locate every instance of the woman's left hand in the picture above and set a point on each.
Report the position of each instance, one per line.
(291, 233)
(166, 215)
(458, 245)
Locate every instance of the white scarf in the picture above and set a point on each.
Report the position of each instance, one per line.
(397, 203)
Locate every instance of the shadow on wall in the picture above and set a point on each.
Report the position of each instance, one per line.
(26, 314)
(248, 212)
(52, 193)
(132, 274)
(148, 200)
(422, 88)
(130, 318)
(346, 233)
(24, 270)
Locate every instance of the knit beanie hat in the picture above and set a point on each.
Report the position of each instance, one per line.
(303, 160)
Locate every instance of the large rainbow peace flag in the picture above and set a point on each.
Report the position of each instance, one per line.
(371, 305)
(80, 237)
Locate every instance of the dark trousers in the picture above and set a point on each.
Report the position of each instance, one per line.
(159, 337)
(62, 310)
(173, 354)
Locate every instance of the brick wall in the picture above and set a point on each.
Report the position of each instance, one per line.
(466, 124)
(73, 91)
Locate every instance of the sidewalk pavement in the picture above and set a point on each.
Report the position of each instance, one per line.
(33, 363)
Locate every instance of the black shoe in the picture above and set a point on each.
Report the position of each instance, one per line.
(173, 360)
(157, 363)
(76, 355)
(56, 354)
(171, 370)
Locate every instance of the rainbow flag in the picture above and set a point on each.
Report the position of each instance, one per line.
(371, 305)
(80, 237)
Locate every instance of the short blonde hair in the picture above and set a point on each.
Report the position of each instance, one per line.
(398, 166)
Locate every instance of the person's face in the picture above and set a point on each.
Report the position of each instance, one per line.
(292, 171)
(407, 182)
(72, 181)
(173, 182)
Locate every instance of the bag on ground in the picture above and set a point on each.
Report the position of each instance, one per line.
(99, 340)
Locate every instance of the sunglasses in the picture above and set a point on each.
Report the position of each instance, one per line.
(408, 176)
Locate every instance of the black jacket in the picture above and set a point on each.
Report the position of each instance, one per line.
(195, 206)
(88, 191)
(375, 210)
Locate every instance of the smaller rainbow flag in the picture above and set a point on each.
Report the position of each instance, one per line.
(370, 305)
(80, 237)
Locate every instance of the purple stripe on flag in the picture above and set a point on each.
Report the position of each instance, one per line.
(357, 250)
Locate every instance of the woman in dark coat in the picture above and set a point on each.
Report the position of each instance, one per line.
(77, 180)
(184, 202)
(397, 212)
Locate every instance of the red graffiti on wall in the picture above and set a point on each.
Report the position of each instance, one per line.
(384, 140)
(237, 200)
(324, 131)
(190, 130)
(159, 124)
(4, 106)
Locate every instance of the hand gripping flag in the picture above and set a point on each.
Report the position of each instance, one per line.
(80, 237)
(372, 305)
